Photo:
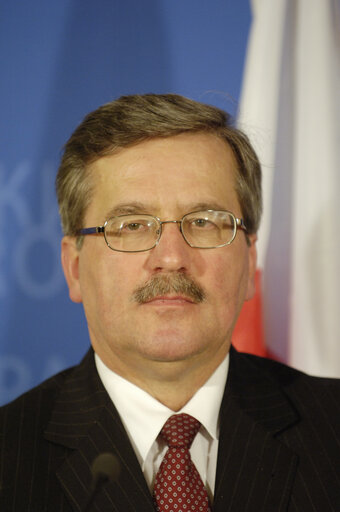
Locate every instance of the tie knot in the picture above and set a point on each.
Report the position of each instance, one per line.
(180, 430)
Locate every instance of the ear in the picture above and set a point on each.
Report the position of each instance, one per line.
(252, 264)
(70, 264)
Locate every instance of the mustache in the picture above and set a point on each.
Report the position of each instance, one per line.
(164, 284)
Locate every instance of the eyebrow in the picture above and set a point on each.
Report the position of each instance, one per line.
(126, 209)
(211, 205)
(137, 207)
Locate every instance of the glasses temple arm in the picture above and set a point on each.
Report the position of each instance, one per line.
(91, 231)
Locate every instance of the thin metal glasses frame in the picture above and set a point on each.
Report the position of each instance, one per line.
(239, 224)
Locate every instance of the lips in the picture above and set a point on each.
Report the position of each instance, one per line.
(170, 300)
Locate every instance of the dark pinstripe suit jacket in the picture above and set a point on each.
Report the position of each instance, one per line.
(279, 444)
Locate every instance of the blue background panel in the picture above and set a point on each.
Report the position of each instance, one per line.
(59, 60)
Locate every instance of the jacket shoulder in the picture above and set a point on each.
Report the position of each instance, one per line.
(36, 404)
(307, 393)
(286, 374)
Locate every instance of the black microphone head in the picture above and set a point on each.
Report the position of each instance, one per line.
(105, 466)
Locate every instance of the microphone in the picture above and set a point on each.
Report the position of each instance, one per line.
(104, 467)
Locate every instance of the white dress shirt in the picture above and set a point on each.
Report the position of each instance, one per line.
(143, 418)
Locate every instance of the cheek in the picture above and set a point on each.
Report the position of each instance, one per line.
(229, 279)
(112, 284)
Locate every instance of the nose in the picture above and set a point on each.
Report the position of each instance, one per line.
(172, 253)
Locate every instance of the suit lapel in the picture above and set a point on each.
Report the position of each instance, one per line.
(86, 423)
(255, 471)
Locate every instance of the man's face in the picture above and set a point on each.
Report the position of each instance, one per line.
(166, 178)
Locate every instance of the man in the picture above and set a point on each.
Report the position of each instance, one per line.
(160, 201)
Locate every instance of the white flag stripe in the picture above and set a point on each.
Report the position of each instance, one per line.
(294, 49)
(315, 308)
(259, 97)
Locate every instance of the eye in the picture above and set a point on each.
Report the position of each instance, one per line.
(133, 226)
(202, 223)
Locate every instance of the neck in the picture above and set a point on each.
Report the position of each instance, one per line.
(171, 383)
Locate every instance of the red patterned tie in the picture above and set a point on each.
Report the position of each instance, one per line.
(178, 485)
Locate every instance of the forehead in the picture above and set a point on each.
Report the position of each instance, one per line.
(174, 173)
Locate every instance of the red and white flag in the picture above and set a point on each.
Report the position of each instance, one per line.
(290, 108)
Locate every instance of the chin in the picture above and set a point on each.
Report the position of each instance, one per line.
(172, 348)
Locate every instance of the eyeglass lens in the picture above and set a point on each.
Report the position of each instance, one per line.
(203, 229)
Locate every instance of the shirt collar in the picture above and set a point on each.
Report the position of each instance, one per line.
(143, 416)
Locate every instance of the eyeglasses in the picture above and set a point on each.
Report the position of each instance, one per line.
(206, 229)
